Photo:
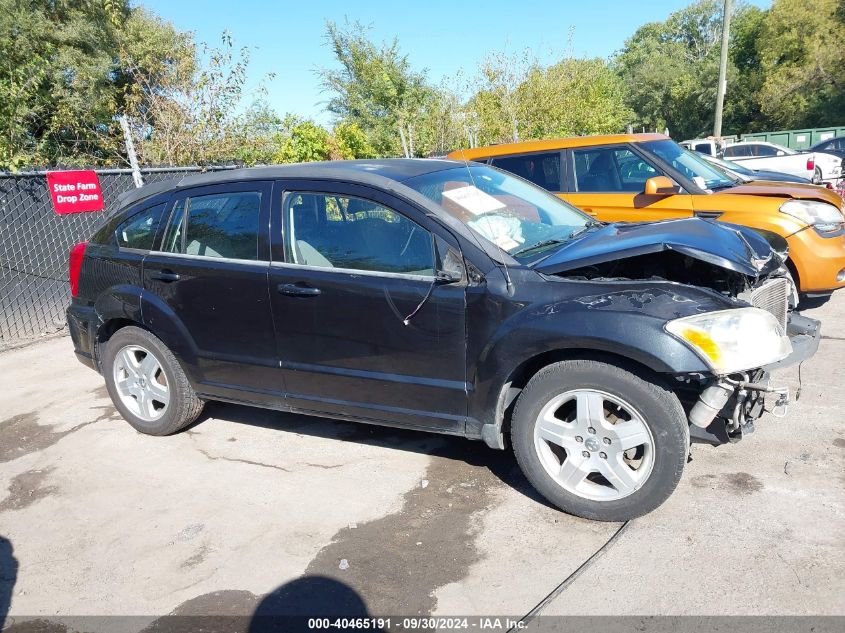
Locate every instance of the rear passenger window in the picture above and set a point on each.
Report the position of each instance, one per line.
(331, 231)
(217, 225)
(541, 169)
(139, 231)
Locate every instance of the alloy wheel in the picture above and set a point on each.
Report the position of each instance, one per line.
(594, 445)
(141, 382)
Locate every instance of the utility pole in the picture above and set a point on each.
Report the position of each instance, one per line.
(130, 151)
(723, 68)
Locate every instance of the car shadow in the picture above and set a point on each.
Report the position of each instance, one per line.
(808, 303)
(501, 464)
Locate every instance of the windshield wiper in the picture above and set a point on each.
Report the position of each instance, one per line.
(589, 225)
(558, 240)
(732, 183)
(539, 246)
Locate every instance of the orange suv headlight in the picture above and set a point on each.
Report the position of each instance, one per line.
(825, 218)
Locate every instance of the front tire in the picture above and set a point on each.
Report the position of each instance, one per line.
(147, 384)
(598, 441)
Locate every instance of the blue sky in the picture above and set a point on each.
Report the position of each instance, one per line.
(443, 36)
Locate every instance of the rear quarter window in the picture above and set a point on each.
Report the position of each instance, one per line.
(541, 169)
(139, 230)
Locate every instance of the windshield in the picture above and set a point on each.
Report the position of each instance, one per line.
(520, 218)
(689, 164)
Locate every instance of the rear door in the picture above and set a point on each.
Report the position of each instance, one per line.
(363, 330)
(608, 182)
(206, 285)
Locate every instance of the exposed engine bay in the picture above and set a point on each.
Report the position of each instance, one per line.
(667, 266)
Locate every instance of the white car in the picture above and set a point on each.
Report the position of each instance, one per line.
(816, 166)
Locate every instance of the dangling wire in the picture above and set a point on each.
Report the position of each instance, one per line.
(408, 318)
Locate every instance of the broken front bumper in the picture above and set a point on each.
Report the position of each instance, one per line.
(727, 408)
(804, 334)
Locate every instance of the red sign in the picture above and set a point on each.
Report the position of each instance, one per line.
(75, 191)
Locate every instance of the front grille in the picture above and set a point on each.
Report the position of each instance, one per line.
(773, 297)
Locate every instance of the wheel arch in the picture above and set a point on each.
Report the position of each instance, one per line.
(793, 270)
(494, 433)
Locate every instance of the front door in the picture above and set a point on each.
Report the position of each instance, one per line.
(364, 331)
(208, 283)
(608, 183)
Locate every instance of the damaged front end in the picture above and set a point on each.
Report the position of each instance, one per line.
(745, 327)
(728, 405)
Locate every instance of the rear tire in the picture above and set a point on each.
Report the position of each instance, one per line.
(146, 383)
(598, 441)
(817, 176)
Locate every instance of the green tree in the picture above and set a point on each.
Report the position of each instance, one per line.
(184, 105)
(500, 107)
(57, 83)
(743, 112)
(803, 60)
(670, 70)
(375, 88)
(349, 141)
(304, 141)
(257, 135)
(572, 97)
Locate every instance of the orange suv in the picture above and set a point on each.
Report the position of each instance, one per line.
(645, 177)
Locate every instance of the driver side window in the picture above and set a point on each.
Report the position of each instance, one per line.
(335, 231)
(611, 170)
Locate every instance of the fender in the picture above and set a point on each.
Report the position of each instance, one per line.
(626, 321)
(117, 302)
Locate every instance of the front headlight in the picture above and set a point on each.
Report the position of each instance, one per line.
(733, 340)
(824, 217)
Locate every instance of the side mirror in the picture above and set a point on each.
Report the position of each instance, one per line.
(445, 277)
(660, 186)
(781, 152)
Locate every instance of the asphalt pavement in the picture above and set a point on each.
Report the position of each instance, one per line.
(250, 509)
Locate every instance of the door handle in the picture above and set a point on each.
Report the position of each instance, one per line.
(589, 211)
(165, 275)
(297, 290)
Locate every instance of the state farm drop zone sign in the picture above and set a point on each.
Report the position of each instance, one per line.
(75, 191)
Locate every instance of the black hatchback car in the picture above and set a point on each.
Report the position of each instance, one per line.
(447, 297)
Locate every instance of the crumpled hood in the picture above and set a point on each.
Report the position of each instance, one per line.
(785, 190)
(729, 246)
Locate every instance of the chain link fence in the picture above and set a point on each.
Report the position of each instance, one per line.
(34, 246)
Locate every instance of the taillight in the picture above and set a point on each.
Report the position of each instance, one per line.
(75, 266)
(811, 164)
